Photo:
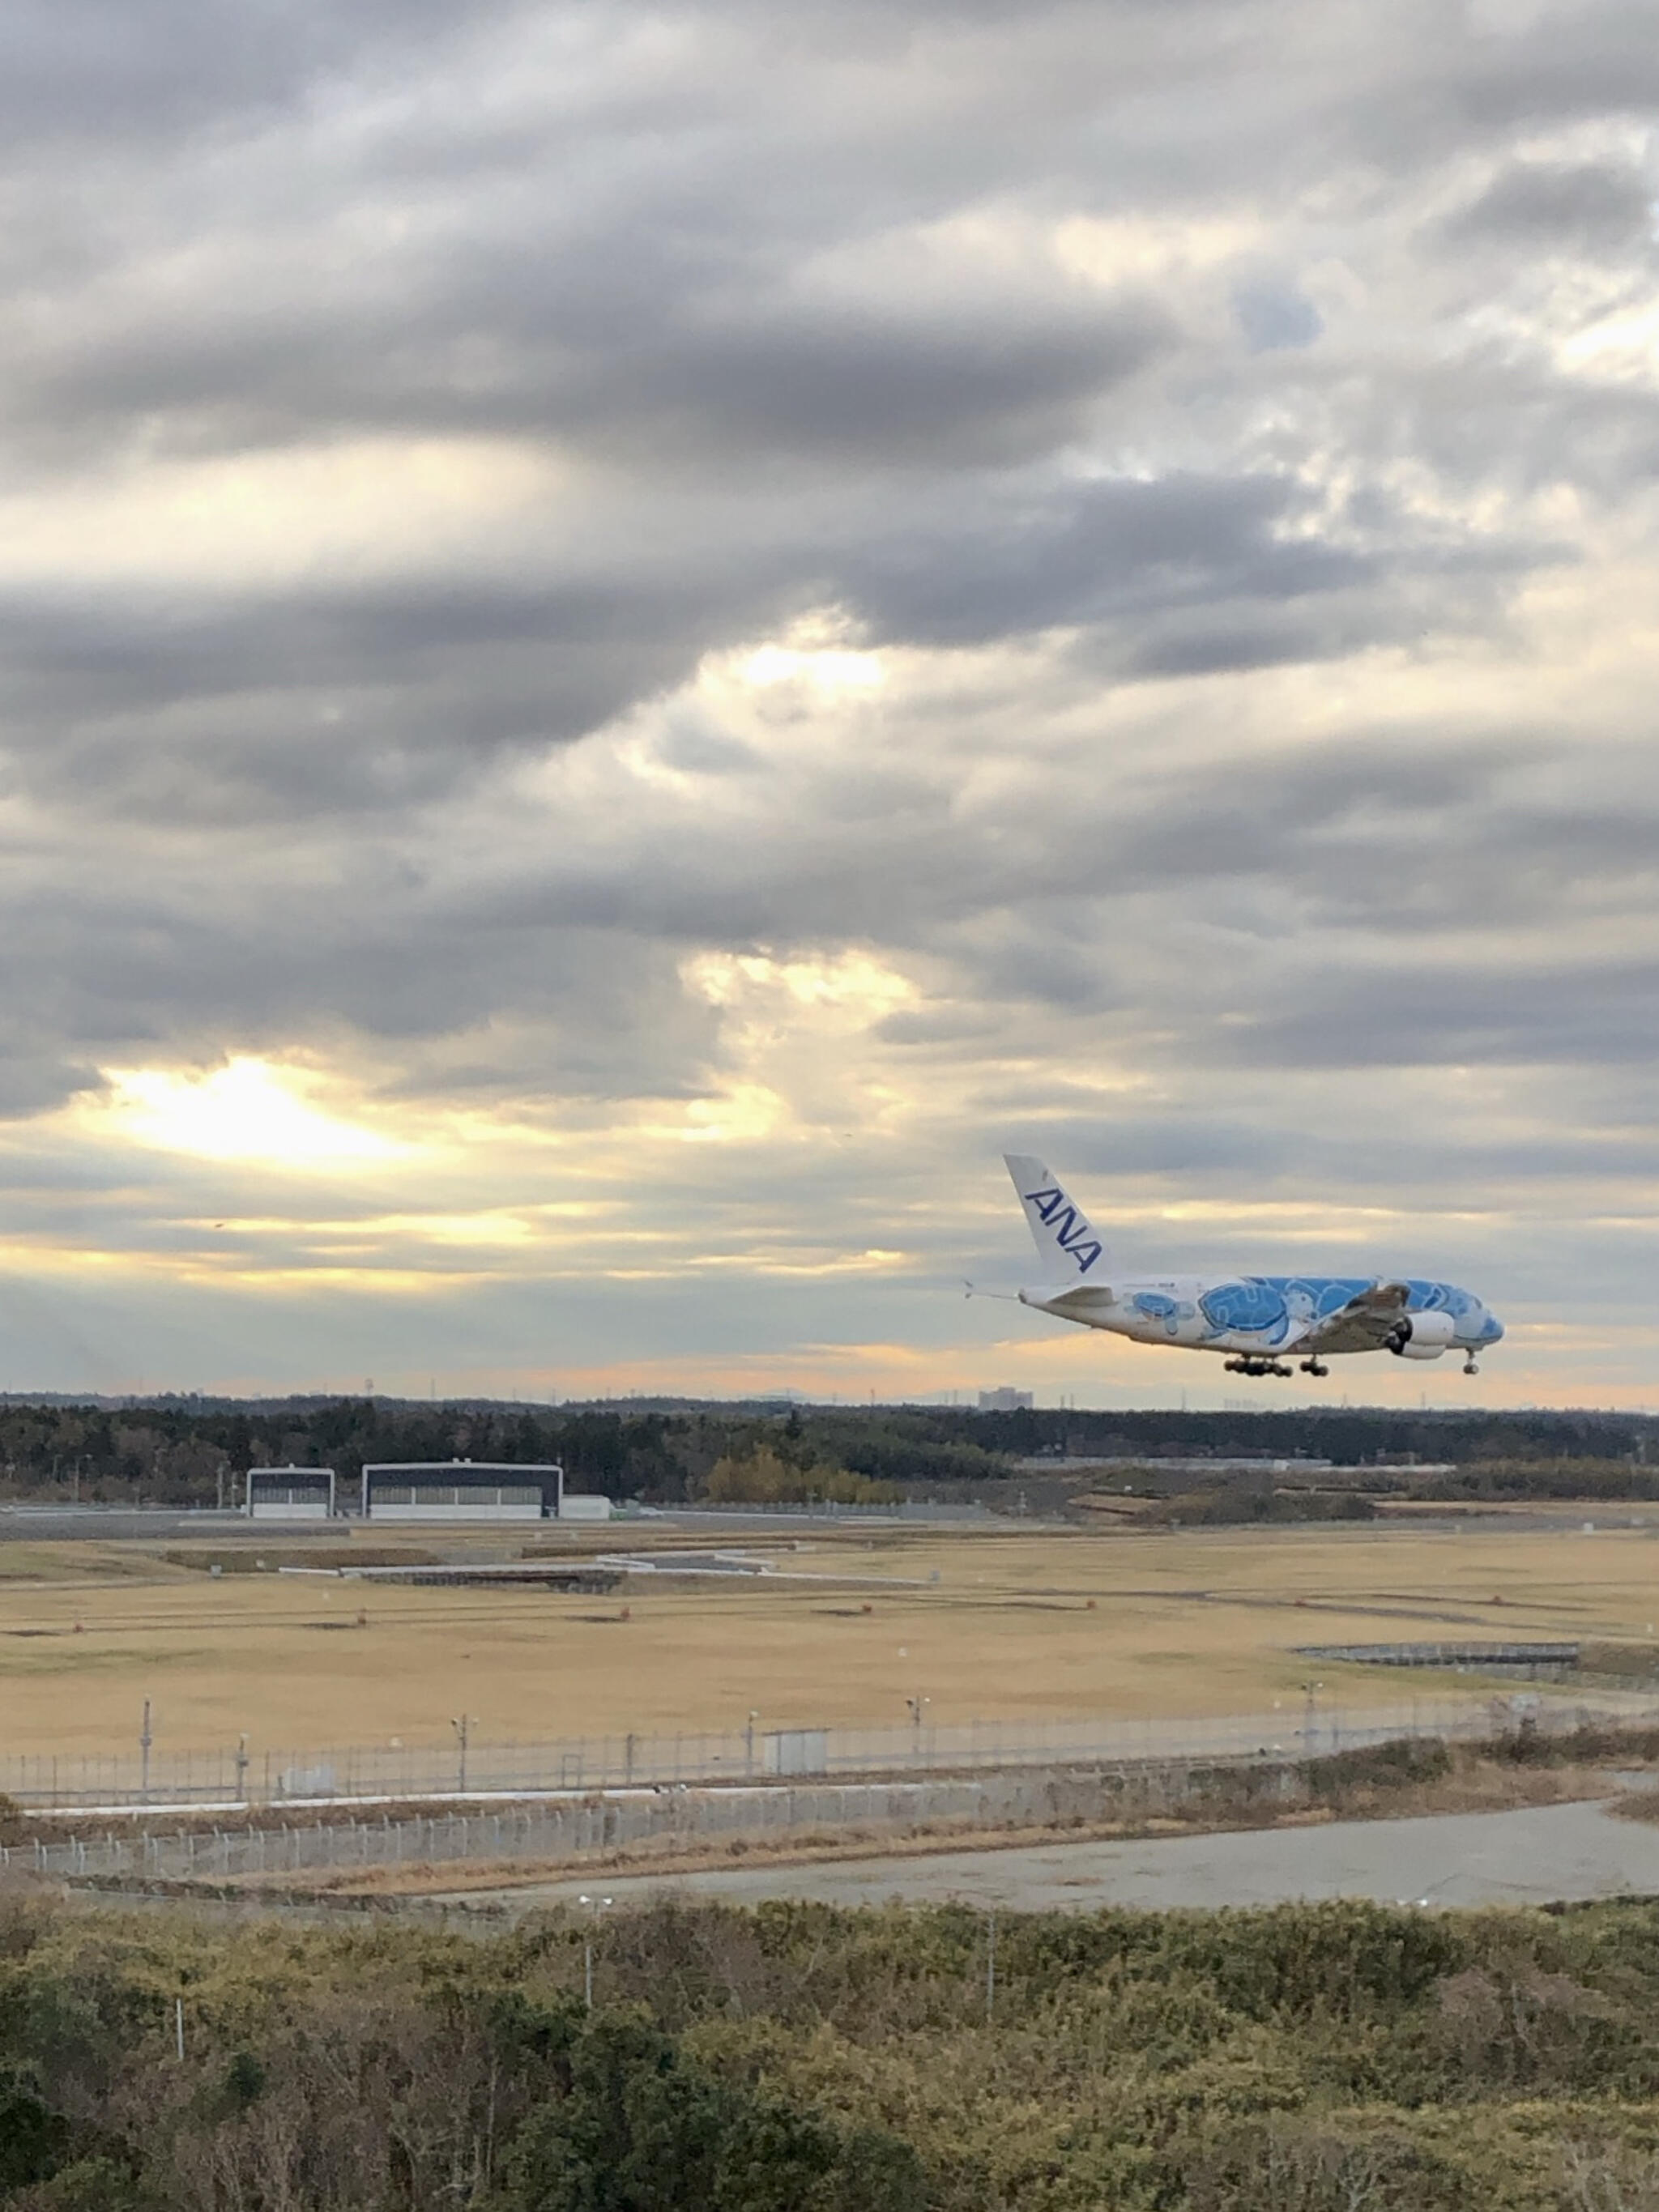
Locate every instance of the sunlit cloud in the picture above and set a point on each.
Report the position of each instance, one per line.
(825, 670)
(247, 1110)
(361, 507)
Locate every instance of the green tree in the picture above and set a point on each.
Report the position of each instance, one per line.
(639, 2128)
(33, 2137)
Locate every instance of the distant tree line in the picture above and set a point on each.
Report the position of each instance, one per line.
(1349, 1436)
(195, 1452)
(173, 1454)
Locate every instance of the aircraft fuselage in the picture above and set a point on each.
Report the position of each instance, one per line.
(1265, 1316)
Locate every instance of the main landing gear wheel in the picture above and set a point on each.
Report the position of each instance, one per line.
(1314, 1367)
(1248, 1366)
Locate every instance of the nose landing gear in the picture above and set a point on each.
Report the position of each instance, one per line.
(1470, 1367)
(1314, 1367)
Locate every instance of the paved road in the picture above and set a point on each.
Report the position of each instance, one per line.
(56, 1524)
(1537, 1856)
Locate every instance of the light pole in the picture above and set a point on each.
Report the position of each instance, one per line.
(918, 1706)
(145, 1741)
(593, 1904)
(749, 1742)
(1309, 1692)
(460, 1724)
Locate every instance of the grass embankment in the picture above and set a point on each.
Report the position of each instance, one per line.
(1340, 2057)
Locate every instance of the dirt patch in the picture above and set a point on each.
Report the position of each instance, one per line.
(269, 1554)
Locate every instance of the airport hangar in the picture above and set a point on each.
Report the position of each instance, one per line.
(453, 1491)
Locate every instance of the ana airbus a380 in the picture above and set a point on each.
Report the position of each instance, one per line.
(1258, 1322)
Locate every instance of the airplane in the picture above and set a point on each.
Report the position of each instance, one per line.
(1258, 1322)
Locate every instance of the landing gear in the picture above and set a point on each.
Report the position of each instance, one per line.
(1314, 1367)
(1250, 1366)
(1470, 1368)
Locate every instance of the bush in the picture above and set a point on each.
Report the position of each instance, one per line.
(1399, 1765)
(33, 2137)
(763, 1477)
(802, 2058)
(638, 2129)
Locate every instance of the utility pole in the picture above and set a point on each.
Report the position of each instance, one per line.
(1309, 1713)
(918, 1706)
(749, 1743)
(145, 1741)
(459, 1725)
(592, 1904)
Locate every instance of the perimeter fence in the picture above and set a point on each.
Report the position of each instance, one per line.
(269, 1846)
(469, 1766)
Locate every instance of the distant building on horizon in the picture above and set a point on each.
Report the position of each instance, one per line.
(1004, 1399)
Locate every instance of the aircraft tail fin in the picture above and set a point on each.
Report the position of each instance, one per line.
(1066, 1243)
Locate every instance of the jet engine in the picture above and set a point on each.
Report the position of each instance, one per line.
(1424, 1336)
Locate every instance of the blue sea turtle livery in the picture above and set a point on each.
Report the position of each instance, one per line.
(1270, 1307)
(1258, 1320)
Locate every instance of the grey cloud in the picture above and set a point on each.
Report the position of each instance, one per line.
(1095, 550)
(680, 361)
(103, 71)
(792, 289)
(1441, 86)
(937, 1025)
(695, 746)
(871, 389)
(1207, 1146)
(1416, 1015)
(1583, 207)
(37, 1073)
(372, 698)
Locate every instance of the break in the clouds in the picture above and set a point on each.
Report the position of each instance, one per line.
(631, 638)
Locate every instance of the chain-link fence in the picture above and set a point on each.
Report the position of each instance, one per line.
(558, 1830)
(662, 1817)
(468, 1766)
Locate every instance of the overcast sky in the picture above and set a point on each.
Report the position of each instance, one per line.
(632, 639)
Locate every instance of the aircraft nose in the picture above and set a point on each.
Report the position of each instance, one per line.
(1493, 1329)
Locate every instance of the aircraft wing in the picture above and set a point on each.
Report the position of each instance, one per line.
(1364, 1324)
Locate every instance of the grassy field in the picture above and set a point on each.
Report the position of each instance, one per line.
(1039, 1625)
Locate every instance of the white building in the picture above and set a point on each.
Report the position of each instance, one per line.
(461, 1490)
(289, 1493)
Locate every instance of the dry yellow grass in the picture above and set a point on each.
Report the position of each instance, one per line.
(1039, 1625)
